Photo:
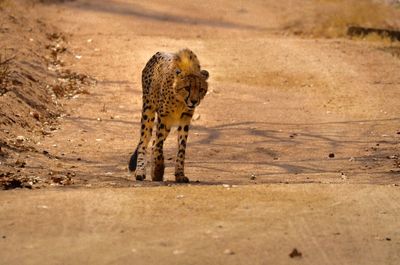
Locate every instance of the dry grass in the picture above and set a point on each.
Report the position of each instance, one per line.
(4, 70)
(376, 37)
(393, 50)
(331, 18)
(5, 3)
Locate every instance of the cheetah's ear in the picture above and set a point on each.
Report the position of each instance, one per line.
(205, 74)
(178, 71)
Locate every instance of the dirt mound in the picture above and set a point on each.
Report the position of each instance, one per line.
(33, 80)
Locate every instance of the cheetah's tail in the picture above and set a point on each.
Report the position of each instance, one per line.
(133, 161)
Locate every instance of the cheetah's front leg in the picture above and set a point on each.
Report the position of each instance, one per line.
(157, 169)
(183, 132)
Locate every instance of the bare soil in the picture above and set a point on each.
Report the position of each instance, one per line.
(296, 146)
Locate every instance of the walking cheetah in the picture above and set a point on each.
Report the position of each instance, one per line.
(173, 86)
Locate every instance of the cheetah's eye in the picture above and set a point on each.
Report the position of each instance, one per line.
(187, 88)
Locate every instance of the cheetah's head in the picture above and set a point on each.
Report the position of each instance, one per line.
(191, 88)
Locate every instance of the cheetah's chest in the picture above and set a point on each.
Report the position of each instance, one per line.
(175, 115)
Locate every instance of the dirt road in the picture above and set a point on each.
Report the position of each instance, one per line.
(307, 128)
(328, 224)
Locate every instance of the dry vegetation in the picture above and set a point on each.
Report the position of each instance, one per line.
(331, 18)
(4, 71)
(33, 81)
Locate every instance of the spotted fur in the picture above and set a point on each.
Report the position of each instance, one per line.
(173, 86)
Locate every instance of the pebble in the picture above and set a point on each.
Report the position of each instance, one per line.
(35, 114)
(229, 252)
(20, 138)
(178, 252)
(331, 155)
(295, 253)
(196, 117)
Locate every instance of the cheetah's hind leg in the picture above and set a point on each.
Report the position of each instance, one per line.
(133, 161)
(133, 165)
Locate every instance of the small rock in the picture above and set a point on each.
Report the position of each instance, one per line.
(352, 159)
(20, 138)
(295, 254)
(388, 239)
(226, 185)
(253, 177)
(178, 252)
(20, 163)
(78, 57)
(57, 179)
(343, 176)
(229, 252)
(196, 117)
(331, 155)
(180, 196)
(34, 114)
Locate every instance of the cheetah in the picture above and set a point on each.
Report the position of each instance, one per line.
(173, 86)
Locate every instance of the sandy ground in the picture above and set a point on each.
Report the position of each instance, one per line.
(328, 224)
(278, 106)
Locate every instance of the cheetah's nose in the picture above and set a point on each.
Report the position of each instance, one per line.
(194, 102)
